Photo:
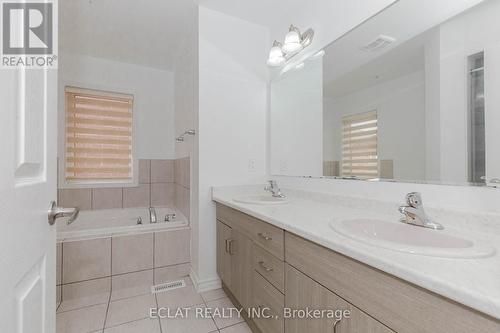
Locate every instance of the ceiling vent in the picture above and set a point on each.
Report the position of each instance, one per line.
(379, 43)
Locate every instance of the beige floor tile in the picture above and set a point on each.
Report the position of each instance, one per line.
(83, 294)
(141, 326)
(190, 324)
(83, 320)
(129, 309)
(132, 284)
(182, 297)
(239, 328)
(213, 295)
(224, 313)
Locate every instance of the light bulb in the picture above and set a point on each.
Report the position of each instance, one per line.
(292, 41)
(276, 57)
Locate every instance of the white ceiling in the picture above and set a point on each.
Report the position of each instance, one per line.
(404, 20)
(145, 32)
(405, 59)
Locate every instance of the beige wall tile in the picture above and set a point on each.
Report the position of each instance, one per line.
(182, 200)
(172, 247)
(81, 198)
(162, 171)
(84, 260)
(182, 172)
(136, 196)
(171, 273)
(106, 198)
(144, 171)
(58, 263)
(162, 194)
(132, 284)
(132, 253)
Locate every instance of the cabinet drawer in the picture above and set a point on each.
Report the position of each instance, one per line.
(269, 267)
(402, 306)
(265, 296)
(266, 235)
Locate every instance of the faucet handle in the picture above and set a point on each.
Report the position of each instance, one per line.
(414, 199)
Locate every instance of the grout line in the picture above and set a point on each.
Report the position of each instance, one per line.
(83, 307)
(159, 320)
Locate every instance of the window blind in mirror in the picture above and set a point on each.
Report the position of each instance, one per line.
(359, 146)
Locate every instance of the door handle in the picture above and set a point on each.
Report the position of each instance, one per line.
(57, 212)
(230, 246)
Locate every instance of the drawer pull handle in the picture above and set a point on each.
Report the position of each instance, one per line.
(230, 242)
(335, 326)
(267, 238)
(263, 265)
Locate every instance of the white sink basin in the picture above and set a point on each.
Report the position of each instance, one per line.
(411, 239)
(261, 200)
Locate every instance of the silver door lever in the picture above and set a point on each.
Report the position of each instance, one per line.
(57, 212)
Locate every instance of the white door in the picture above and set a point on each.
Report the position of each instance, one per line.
(28, 129)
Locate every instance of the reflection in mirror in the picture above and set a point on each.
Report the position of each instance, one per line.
(399, 102)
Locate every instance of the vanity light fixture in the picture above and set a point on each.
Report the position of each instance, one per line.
(276, 56)
(295, 41)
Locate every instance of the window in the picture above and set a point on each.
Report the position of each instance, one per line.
(477, 133)
(98, 137)
(359, 146)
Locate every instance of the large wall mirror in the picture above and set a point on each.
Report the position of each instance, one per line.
(396, 99)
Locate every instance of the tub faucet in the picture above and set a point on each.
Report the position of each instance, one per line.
(274, 189)
(170, 217)
(414, 213)
(152, 215)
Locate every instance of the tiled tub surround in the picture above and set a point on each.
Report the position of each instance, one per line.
(161, 183)
(472, 282)
(126, 266)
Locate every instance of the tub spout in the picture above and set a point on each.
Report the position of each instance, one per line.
(152, 215)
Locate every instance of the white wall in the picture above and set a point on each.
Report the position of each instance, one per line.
(400, 106)
(232, 121)
(297, 121)
(153, 92)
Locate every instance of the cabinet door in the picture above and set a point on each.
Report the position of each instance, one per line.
(223, 255)
(241, 267)
(304, 293)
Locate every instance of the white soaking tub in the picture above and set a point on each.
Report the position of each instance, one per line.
(116, 222)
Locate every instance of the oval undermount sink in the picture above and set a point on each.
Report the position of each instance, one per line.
(261, 200)
(411, 239)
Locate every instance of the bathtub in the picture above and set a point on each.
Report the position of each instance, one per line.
(116, 222)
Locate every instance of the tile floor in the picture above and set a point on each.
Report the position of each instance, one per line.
(129, 313)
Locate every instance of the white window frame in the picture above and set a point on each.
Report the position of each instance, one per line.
(63, 183)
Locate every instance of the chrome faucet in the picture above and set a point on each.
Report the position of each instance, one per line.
(274, 189)
(170, 217)
(415, 214)
(152, 215)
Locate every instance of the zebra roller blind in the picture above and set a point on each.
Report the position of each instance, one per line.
(359, 146)
(98, 136)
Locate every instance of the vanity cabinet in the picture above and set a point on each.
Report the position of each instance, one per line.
(303, 292)
(262, 266)
(234, 262)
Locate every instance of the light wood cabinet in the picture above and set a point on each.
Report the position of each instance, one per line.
(223, 255)
(337, 316)
(241, 267)
(234, 262)
(264, 266)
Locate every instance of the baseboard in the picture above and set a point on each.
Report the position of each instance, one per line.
(204, 285)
